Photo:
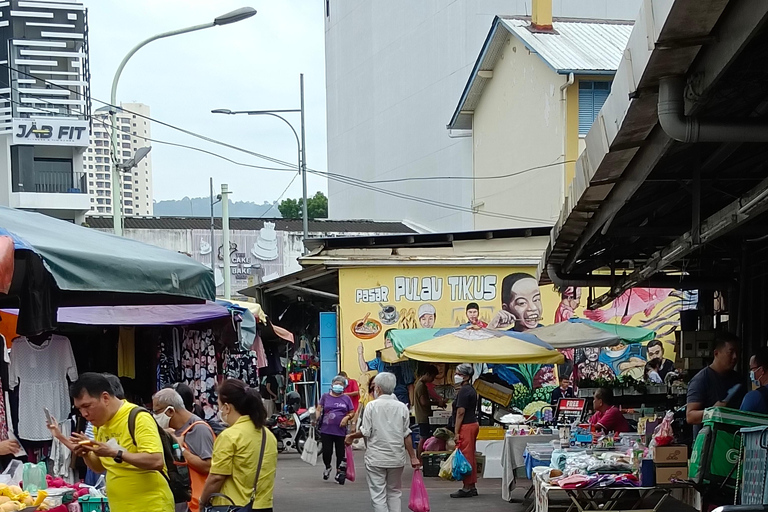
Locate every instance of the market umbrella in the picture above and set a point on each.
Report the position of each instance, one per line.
(579, 333)
(470, 345)
(57, 263)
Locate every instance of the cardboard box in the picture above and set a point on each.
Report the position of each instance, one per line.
(666, 474)
(671, 455)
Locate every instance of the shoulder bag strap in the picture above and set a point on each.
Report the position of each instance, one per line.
(261, 460)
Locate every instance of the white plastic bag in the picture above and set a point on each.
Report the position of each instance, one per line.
(309, 455)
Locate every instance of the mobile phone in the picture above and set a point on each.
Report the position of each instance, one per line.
(48, 416)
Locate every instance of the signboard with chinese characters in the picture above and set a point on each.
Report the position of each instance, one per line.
(51, 132)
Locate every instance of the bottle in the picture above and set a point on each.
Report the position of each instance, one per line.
(177, 451)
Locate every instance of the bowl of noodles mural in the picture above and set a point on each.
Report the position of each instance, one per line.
(366, 328)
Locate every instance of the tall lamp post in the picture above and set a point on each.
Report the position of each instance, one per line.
(302, 165)
(225, 19)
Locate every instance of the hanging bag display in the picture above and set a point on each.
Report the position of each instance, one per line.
(309, 455)
(419, 499)
(249, 506)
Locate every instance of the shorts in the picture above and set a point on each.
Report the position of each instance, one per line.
(426, 430)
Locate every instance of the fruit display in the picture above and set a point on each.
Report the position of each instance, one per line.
(543, 394)
(13, 498)
(521, 396)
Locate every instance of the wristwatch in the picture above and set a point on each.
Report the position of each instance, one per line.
(119, 457)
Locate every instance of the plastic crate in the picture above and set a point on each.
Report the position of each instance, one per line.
(93, 504)
(438, 421)
(430, 463)
(491, 434)
(754, 479)
(494, 392)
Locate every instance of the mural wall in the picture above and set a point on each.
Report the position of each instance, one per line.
(374, 300)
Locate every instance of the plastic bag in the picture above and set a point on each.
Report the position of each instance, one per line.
(350, 456)
(663, 435)
(446, 467)
(461, 466)
(433, 444)
(419, 499)
(309, 455)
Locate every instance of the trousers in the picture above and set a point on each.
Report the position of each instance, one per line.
(467, 445)
(385, 485)
(329, 443)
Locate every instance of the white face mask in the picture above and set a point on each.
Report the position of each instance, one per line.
(221, 417)
(458, 379)
(163, 419)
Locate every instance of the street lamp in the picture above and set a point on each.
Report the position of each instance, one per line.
(300, 143)
(225, 19)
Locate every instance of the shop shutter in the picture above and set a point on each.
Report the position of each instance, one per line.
(592, 96)
(329, 366)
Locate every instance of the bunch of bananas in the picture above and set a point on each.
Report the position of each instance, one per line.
(13, 498)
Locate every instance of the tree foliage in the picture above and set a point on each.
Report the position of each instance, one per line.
(317, 207)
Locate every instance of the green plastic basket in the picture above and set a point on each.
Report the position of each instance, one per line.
(93, 504)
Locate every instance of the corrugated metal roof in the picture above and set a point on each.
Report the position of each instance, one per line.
(251, 224)
(576, 46)
(586, 47)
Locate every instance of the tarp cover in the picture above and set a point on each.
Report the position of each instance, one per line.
(162, 314)
(579, 333)
(86, 260)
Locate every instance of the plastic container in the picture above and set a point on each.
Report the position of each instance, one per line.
(754, 479)
(93, 504)
(430, 463)
(491, 434)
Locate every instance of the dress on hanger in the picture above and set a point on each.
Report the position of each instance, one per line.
(41, 374)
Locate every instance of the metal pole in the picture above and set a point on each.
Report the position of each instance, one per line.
(305, 217)
(225, 240)
(213, 245)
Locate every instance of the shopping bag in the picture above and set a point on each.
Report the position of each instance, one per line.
(461, 466)
(446, 467)
(350, 456)
(419, 500)
(309, 455)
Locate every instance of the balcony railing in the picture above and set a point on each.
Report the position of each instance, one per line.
(61, 182)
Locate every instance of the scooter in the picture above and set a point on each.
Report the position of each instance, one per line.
(292, 428)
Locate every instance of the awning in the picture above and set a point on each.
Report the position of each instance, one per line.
(579, 333)
(58, 263)
(161, 314)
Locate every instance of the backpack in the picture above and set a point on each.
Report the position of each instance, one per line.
(176, 466)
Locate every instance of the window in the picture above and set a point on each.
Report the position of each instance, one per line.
(90, 184)
(125, 128)
(99, 142)
(127, 153)
(90, 174)
(134, 125)
(109, 209)
(90, 150)
(109, 201)
(592, 95)
(130, 195)
(90, 167)
(100, 193)
(129, 211)
(126, 137)
(101, 209)
(100, 201)
(127, 186)
(126, 145)
(128, 202)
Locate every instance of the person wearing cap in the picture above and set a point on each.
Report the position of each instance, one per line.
(427, 316)
(466, 426)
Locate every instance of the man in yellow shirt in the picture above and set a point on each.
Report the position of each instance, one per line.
(135, 478)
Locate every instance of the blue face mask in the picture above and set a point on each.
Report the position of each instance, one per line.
(337, 388)
(753, 378)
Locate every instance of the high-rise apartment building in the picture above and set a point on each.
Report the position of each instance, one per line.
(44, 107)
(394, 73)
(136, 184)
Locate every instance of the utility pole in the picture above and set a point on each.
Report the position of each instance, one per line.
(305, 217)
(213, 245)
(225, 241)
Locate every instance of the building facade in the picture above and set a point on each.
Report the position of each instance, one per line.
(394, 71)
(136, 185)
(44, 107)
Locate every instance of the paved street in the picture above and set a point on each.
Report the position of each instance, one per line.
(299, 486)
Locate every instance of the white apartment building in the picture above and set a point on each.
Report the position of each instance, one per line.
(136, 186)
(44, 107)
(394, 72)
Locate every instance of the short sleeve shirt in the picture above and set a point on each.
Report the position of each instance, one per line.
(236, 455)
(199, 439)
(421, 412)
(130, 488)
(708, 387)
(334, 410)
(612, 420)
(466, 398)
(353, 386)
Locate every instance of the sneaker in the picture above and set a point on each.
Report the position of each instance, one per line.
(461, 493)
(326, 473)
(474, 491)
(341, 478)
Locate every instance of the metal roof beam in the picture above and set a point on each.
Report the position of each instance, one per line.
(744, 209)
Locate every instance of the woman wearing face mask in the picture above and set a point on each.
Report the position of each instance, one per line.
(467, 428)
(237, 450)
(333, 412)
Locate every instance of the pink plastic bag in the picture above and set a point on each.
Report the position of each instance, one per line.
(434, 444)
(350, 456)
(419, 499)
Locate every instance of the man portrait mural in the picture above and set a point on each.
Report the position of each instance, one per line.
(521, 306)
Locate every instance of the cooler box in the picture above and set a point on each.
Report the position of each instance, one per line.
(715, 453)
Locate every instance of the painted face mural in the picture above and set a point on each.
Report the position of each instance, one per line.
(521, 298)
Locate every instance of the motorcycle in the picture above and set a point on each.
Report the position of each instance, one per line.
(292, 427)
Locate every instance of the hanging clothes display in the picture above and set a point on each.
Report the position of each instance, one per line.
(169, 361)
(126, 352)
(199, 368)
(61, 457)
(3, 402)
(242, 366)
(258, 348)
(40, 372)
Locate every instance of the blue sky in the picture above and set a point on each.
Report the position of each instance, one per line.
(251, 65)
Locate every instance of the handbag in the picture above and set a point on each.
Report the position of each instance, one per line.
(309, 455)
(249, 507)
